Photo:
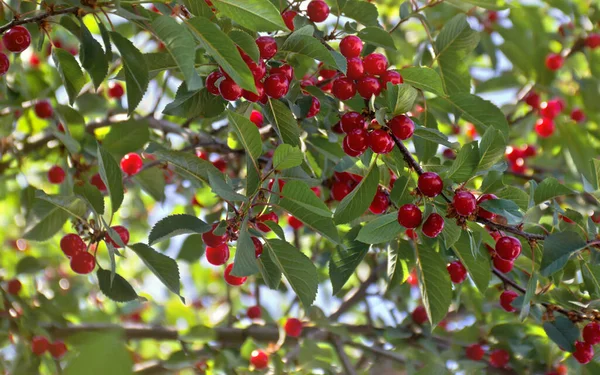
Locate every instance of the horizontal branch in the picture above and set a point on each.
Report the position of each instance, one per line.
(40, 17)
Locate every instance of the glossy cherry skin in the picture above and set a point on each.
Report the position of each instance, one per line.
(357, 140)
(552, 108)
(217, 256)
(391, 76)
(230, 90)
(315, 108)
(508, 248)
(257, 118)
(380, 141)
(213, 240)
(4, 64)
(123, 234)
(380, 203)
(43, 109)
(352, 120)
(340, 190)
(267, 46)
(276, 85)
(254, 312)
(499, 358)
(131, 163)
(317, 11)
(356, 69)
(285, 69)
(483, 213)
(293, 327)
(39, 345)
(56, 175)
(259, 359)
(433, 225)
(458, 272)
(288, 18)
(258, 247)
(410, 216)
(591, 333)
(544, 127)
(351, 46)
(72, 244)
(231, 279)
(554, 61)
(584, 352)
(115, 90)
(419, 315)
(533, 99)
(17, 39)
(83, 263)
(506, 299)
(464, 203)
(474, 352)
(430, 184)
(502, 265)
(577, 115)
(368, 86)
(375, 64)
(211, 82)
(96, 180)
(401, 127)
(58, 349)
(343, 88)
(252, 97)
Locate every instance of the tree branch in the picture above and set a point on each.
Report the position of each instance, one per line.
(40, 17)
(346, 363)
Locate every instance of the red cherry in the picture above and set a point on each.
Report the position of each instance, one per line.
(513, 153)
(258, 69)
(380, 202)
(339, 190)
(352, 120)
(591, 333)
(584, 352)
(83, 263)
(502, 265)
(252, 97)
(506, 299)
(433, 226)
(474, 352)
(492, 16)
(592, 41)
(39, 345)
(213, 240)
(316, 190)
(56, 175)
(217, 256)
(276, 85)
(43, 109)
(281, 184)
(350, 151)
(351, 46)
(131, 163)
(284, 69)
(123, 234)
(483, 213)
(552, 108)
(577, 115)
(267, 46)
(499, 358)
(4, 64)
(58, 349)
(230, 90)
(410, 216)
(315, 107)
(412, 234)
(517, 166)
(17, 39)
(368, 86)
(295, 223)
(544, 127)
(532, 99)
(508, 248)
(471, 130)
(392, 77)
(288, 18)
(343, 88)
(258, 247)
(357, 140)
(211, 82)
(430, 184)
(337, 128)
(554, 61)
(380, 141)
(464, 203)
(115, 90)
(561, 369)
(257, 118)
(412, 278)
(419, 315)
(13, 287)
(402, 127)
(71, 244)
(449, 154)
(233, 280)
(529, 151)
(220, 164)
(458, 272)
(596, 217)
(293, 327)
(271, 216)
(326, 73)
(254, 312)
(375, 64)
(355, 68)
(259, 359)
(96, 180)
(317, 11)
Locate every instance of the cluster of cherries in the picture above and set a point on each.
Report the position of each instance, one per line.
(517, 157)
(555, 61)
(259, 358)
(548, 111)
(344, 183)
(16, 40)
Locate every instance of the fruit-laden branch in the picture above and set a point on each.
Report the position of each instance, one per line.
(40, 17)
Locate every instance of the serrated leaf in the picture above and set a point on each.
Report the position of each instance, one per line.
(255, 15)
(308, 45)
(152, 181)
(529, 294)
(358, 201)
(548, 189)
(119, 290)
(563, 332)
(200, 103)
(269, 270)
(491, 148)
(136, 70)
(111, 176)
(175, 225)
(482, 113)
(93, 59)
(400, 98)
(46, 219)
(162, 266)
(465, 163)
(436, 288)
(344, 262)
(520, 197)
(361, 11)
(245, 263)
(106, 41)
(432, 135)
(476, 263)
(247, 134)
(383, 229)
(287, 156)
(127, 136)
(400, 255)
(591, 278)
(189, 164)
(92, 195)
(505, 208)
(377, 37)
(246, 42)
(451, 232)
(198, 8)
(283, 121)
(423, 78)
(220, 187)
(69, 142)
(70, 72)
(558, 248)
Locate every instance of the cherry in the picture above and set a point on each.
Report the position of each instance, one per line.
(357, 140)
(56, 175)
(544, 127)
(39, 345)
(508, 248)
(464, 203)
(258, 247)
(458, 272)
(211, 82)
(492, 16)
(554, 61)
(375, 64)
(352, 120)
(280, 183)
(257, 118)
(316, 190)
(259, 359)
(412, 278)
(131, 163)
(351, 46)
(288, 18)
(499, 358)
(339, 190)
(561, 369)
(43, 109)
(591, 333)
(4, 64)
(337, 128)
(17, 39)
(355, 69)
(449, 154)
(295, 223)
(293, 327)
(584, 352)
(502, 265)
(596, 217)
(315, 107)
(552, 108)
(412, 234)
(58, 349)
(577, 115)
(483, 213)
(14, 287)
(254, 312)
(419, 315)
(410, 216)
(220, 164)
(517, 166)
(230, 90)
(123, 234)
(506, 299)
(252, 97)
(233, 280)
(71, 244)
(271, 216)
(433, 226)
(471, 130)
(430, 184)
(391, 76)
(529, 151)
(115, 90)
(267, 46)
(380, 202)
(533, 99)
(380, 141)
(217, 256)
(593, 41)
(343, 88)
(83, 263)
(213, 240)
(348, 150)
(474, 352)
(317, 11)
(284, 69)
(258, 69)
(368, 86)
(276, 85)
(96, 180)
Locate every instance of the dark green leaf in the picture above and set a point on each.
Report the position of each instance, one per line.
(119, 290)
(465, 163)
(377, 37)
(255, 15)
(282, 119)
(176, 225)
(504, 207)
(344, 262)
(162, 266)
(480, 112)
(563, 332)
(529, 294)
(491, 148)
(191, 249)
(152, 181)
(246, 42)
(125, 137)
(188, 163)
(436, 288)
(358, 201)
(383, 229)
(247, 134)
(92, 195)
(245, 263)
(112, 177)
(476, 263)
(361, 11)
(548, 189)
(287, 156)
(301, 43)
(423, 78)
(558, 248)
(29, 265)
(136, 70)
(92, 57)
(188, 104)
(70, 72)
(400, 98)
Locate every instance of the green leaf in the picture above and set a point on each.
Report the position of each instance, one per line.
(255, 15)
(46, 219)
(69, 142)
(92, 56)
(491, 148)
(433, 135)
(152, 181)
(361, 11)
(400, 98)
(111, 176)
(191, 250)
(548, 189)
(558, 248)
(476, 263)
(309, 46)
(179, 44)
(358, 201)
(127, 136)
(198, 8)
(343, 263)
(383, 229)
(246, 42)
(119, 290)
(221, 48)
(451, 232)
(188, 163)
(91, 351)
(529, 294)
(287, 156)
(480, 112)
(247, 134)
(71, 205)
(591, 278)
(504, 207)
(297, 268)
(92, 195)
(220, 187)
(70, 72)
(423, 78)
(106, 41)
(245, 263)
(516, 195)
(188, 104)
(487, 4)
(400, 255)
(269, 270)
(29, 265)
(162, 266)
(136, 70)
(563, 332)
(175, 225)
(283, 121)
(436, 288)
(377, 37)
(465, 163)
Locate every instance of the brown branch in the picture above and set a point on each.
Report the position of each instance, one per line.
(40, 17)
(344, 359)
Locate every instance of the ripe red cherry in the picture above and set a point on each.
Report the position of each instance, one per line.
(14, 287)
(115, 90)
(584, 352)
(554, 61)
(351, 46)
(591, 333)
(131, 163)
(356, 69)
(123, 234)
(552, 108)
(506, 299)
(293, 327)
(39, 345)
(499, 358)
(217, 256)
(71, 244)
(544, 127)
(230, 90)
(380, 202)
(271, 216)
(213, 240)
(276, 85)
(233, 280)
(295, 223)
(348, 150)
(449, 154)
(343, 88)
(357, 140)
(596, 217)
(83, 263)
(533, 99)
(252, 97)
(410, 216)
(483, 213)
(392, 77)
(352, 120)
(368, 86)
(257, 118)
(592, 41)
(211, 82)
(254, 312)
(317, 11)
(285, 69)
(56, 175)
(464, 203)
(380, 141)
(502, 265)
(458, 272)
(474, 352)
(43, 109)
(288, 18)
(508, 248)
(267, 46)
(430, 184)
(258, 69)
(419, 315)
(17, 39)
(433, 226)
(412, 234)
(375, 64)
(492, 16)
(4, 64)
(58, 349)
(220, 164)
(96, 180)
(339, 190)
(258, 247)
(315, 107)
(577, 115)
(259, 359)
(402, 127)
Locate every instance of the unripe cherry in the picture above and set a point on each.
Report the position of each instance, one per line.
(409, 216)
(83, 263)
(343, 88)
(231, 279)
(506, 299)
(267, 46)
(71, 244)
(458, 272)
(401, 127)
(131, 163)
(430, 184)
(433, 225)
(217, 256)
(293, 327)
(56, 175)
(508, 248)
(464, 203)
(375, 64)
